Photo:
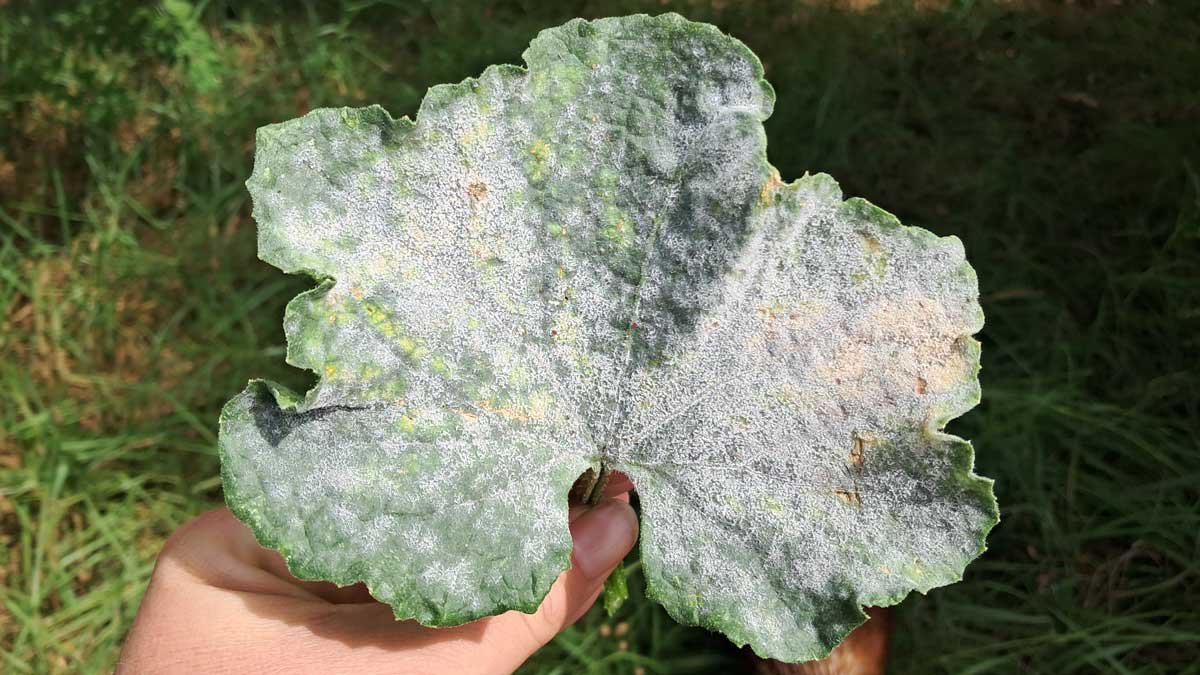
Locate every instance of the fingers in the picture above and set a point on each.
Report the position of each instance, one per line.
(618, 483)
(219, 550)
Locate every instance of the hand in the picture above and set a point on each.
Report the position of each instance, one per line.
(219, 602)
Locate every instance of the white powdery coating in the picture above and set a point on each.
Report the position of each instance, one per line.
(768, 424)
(523, 289)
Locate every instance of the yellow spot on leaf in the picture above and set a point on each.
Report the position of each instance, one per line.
(474, 134)
(876, 255)
(407, 344)
(539, 404)
(540, 150)
(772, 505)
(914, 569)
(508, 411)
(439, 366)
(774, 182)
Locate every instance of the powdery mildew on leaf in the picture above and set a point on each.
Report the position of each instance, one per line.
(592, 261)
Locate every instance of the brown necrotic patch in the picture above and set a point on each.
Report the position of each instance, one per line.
(858, 448)
(849, 497)
(477, 190)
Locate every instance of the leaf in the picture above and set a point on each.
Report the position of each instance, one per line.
(587, 263)
(616, 589)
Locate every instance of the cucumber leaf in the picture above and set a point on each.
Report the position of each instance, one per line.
(590, 263)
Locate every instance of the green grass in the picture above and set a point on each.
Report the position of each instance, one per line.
(1061, 143)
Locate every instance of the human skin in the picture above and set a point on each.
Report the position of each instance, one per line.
(220, 603)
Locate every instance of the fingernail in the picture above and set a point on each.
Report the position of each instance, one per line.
(603, 536)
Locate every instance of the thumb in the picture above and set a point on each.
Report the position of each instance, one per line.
(602, 537)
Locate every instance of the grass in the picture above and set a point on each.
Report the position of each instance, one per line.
(1060, 142)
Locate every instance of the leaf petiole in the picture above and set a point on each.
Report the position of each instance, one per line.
(597, 488)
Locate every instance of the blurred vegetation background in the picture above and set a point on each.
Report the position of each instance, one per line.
(1060, 141)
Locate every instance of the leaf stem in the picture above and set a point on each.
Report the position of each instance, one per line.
(597, 492)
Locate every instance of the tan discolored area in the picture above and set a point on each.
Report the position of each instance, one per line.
(924, 349)
(769, 188)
